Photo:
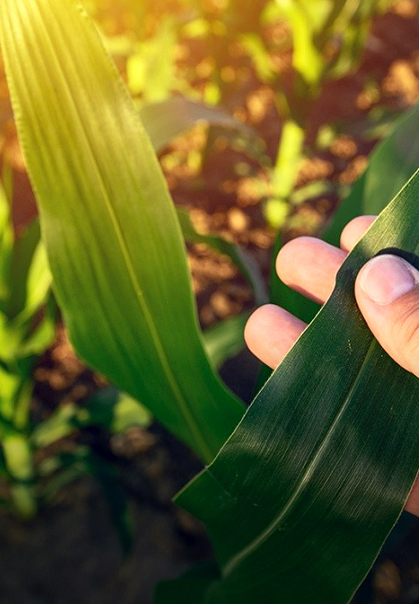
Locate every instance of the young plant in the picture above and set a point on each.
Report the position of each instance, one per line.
(305, 488)
(327, 40)
(27, 328)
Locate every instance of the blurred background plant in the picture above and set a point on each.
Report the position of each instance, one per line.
(33, 466)
(209, 52)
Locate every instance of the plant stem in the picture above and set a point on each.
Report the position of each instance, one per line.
(285, 172)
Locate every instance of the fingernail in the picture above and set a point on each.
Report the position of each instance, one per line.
(386, 278)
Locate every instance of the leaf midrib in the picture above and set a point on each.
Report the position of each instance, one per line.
(235, 560)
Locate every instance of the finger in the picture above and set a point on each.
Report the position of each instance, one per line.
(354, 230)
(387, 293)
(270, 332)
(309, 266)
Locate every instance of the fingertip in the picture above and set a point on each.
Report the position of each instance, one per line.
(270, 332)
(354, 230)
(387, 294)
(290, 256)
(309, 266)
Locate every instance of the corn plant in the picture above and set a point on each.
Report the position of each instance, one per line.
(27, 328)
(301, 490)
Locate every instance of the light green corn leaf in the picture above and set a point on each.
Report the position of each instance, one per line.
(150, 70)
(114, 410)
(353, 16)
(20, 261)
(353, 41)
(301, 497)
(6, 247)
(108, 408)
(30, 278)
(237, 254)
(62, 423)
(319, 13)
(129, 413)
(352, 26)
(165, 120)
(225, 340)
(39, 280)
(307, 58)
(114, 244)
(11, 385)
(255, 46)
(18, 455)
(28, 338)
(38, 332)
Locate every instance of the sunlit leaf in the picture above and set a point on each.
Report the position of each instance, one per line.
(113, 241)
(150, 70)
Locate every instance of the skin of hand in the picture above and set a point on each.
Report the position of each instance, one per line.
(386, 291)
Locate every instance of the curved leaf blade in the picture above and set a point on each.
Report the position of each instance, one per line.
(303, 494)
(114, 245)
(165, 120)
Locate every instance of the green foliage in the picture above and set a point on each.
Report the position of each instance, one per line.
(128, 263)
(327, 40)
(167, 119)
(302, 491)
(324, 459)
(26, 330)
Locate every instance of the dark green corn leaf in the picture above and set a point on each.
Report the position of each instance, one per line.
(302, 496)
(114, 244)
(190, 588)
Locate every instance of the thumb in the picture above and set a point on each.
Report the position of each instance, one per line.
(387, 293)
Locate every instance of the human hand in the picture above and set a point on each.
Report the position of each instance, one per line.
(386, 291)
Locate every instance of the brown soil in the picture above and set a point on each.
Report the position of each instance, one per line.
(70, 552)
